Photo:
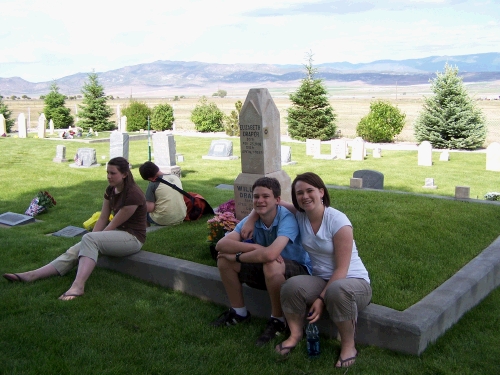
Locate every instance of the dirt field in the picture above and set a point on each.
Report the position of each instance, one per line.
(350, 102)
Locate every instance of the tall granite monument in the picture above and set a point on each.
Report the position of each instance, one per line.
(260, 142)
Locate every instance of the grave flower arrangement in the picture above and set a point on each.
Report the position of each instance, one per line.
(493, 196)
(42, 201)
(224, 221)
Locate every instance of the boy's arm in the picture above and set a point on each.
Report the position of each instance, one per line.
(266, 254)
(232, 244)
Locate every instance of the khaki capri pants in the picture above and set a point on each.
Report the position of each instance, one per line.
(343, 297)
(115, 243)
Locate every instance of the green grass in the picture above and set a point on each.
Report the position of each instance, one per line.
(410, 244)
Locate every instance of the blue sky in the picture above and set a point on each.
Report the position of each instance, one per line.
(46, 40)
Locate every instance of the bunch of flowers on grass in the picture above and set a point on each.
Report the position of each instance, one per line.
(493, 196)
(42, 202)
(221, 223)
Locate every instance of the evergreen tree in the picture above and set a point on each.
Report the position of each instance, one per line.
(450, 119)
(311, 115)
(54, 108)
(7, 113)
(231, 122)
(94, 112)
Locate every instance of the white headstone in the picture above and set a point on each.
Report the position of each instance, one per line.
(118, 145)
(286, 156)
(493, 157)
(60, 154)
(339, 148)
(118, 116)
(377, 152)
(221, 149)
(123, 124)
(313, 147)
(51, 127)
(358, 149)
(42, 124)
(425, 154)
(444, 156)
(3, 126)
(21, 126)
(164, 153)
(429, 184)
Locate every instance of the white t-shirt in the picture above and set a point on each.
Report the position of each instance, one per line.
(320, 245)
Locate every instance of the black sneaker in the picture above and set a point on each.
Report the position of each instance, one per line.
(274, 328)
(230, 318)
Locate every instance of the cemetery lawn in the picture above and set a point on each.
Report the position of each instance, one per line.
(410, 244)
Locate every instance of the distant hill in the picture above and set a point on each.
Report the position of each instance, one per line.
(166, 74)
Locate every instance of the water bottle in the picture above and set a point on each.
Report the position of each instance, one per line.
(312, 334)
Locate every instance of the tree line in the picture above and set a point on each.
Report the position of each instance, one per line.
(449, 119)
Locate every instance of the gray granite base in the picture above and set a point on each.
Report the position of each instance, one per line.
(409, 331)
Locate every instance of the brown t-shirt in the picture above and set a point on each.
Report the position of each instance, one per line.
(136, 224)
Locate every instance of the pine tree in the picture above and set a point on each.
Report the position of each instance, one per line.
(7, 113)
(55, 110)
(311, 115)
(450, 119)
(94, 112)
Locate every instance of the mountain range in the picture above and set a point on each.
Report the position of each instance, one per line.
(185, 75)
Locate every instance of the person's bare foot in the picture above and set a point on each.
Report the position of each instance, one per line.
(68, 297)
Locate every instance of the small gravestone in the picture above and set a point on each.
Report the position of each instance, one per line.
(444, 156)
(51, 127)
(3, 126)
(118, 145)
(339, 149)
(12, 219)
(313, 147)
(42, 125)
(356, 183)
(358, 149)
(371, 179)
(60, 154)
(493, 157)
(70, 232)
(425, 154)
(22, 129)
(462, 192)
(85, 158)
(286, 156)
(164, 153)
(377, 152)
(429, 184)
(221, 149)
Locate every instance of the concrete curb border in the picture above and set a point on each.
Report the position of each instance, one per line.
(409, 331)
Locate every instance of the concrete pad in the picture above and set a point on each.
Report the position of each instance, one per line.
(409, 331)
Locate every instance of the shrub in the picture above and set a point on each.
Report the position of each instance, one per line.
(231, 122)
(207, 117)
(162, 117)
(382, 124)
(137, 115)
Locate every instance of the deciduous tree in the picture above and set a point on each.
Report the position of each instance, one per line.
(450, 119)
(162, 117)
(207, 117)
(137, 115)
(382, 124)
